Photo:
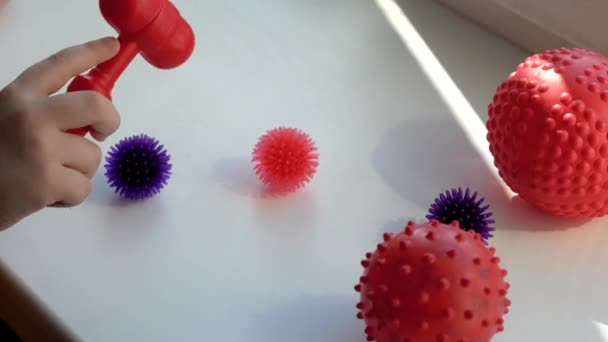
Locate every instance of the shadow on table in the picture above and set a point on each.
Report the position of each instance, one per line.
(294, 210)
(125, 221)
(394, 226)
(238, 176)
(310, 318)
(104, 195)
(421, 159)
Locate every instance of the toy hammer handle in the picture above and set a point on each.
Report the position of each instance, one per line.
(103, 76)
(87, 82)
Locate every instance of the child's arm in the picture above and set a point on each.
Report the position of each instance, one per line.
(40, 164)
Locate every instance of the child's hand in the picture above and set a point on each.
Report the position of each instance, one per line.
(40, 164)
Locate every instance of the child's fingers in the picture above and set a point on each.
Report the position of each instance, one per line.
(83, 109)
(49, 75)
(71, 188)
(78, 153)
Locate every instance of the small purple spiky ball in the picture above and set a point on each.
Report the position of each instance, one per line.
(465, 208)
(138, 167)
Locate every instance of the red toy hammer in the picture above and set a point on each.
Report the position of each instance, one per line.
(153, 28)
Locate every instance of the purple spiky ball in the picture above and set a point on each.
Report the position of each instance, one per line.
(464, 207)
(138, 167)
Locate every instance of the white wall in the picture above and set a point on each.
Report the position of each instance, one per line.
(541, 24)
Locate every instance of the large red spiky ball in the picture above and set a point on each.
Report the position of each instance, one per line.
(286, 159)
(432, 282)
(547, 128)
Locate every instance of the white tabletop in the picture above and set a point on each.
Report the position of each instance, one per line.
(209, 259)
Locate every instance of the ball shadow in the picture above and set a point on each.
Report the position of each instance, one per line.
(286, 220)
(104, 195)
(393, 226)
(423, 158)
(274, 210)
(397, 225)
(238, 176)
(310, 318)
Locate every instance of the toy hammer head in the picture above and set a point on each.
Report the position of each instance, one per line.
(153, 28)
(164, 38)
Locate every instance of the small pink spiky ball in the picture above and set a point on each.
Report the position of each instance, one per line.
(286, 159)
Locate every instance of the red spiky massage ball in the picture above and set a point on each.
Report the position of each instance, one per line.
(432, 282)
(547, 129)
(286, 159)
